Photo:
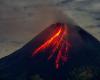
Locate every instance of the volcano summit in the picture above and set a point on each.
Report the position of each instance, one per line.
(52, 54)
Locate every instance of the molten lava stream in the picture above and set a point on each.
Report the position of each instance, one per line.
(58, 45)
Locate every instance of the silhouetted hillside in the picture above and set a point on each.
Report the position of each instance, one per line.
(54, 54)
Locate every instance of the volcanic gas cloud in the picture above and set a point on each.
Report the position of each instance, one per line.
(58, 44)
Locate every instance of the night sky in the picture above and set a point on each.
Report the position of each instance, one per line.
(21, 20)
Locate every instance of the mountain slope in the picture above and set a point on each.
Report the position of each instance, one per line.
(52, 54)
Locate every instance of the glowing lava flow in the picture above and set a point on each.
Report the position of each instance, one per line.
(58, 45)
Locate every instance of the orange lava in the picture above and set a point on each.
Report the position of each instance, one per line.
(48, 42)
(59, 45)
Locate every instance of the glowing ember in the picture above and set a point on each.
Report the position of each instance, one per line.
(58, 45)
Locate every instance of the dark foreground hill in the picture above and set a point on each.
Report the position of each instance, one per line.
(60, 52)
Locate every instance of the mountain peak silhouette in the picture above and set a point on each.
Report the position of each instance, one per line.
(52, 54)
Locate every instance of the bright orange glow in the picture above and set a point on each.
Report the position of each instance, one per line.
(46, 44)
(58, 45)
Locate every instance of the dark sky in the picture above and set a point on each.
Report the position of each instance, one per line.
(21, 20)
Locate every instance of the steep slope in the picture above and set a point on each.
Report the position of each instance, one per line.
(52, 54)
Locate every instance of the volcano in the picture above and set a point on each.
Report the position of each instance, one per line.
(52, 54)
